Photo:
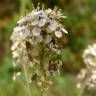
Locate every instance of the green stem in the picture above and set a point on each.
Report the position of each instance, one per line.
(42, 93)
(26, 89)
(26, 78)
(41, 54)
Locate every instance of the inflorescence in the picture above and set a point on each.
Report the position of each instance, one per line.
(36, 38)
(87, 77)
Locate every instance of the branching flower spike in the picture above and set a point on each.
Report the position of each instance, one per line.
(37, 37)
(87, 77)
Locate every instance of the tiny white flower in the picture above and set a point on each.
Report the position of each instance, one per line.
(34, 12)
(78, 85)
(93, 77)
(18, 73)
(17, 29)
(48, 11)
(41, 22)
(15, 54)
(58, 34)
(35, 20)
(53, 25)
(64, 30)
(42, 14)
(16, 76)
(14, 46)
(86, 52)
(22, 20)
(93, 51)
(24, 32)
(94, 46)
(36, 31)
(25, 19)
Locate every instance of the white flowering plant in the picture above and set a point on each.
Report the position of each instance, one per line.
(87, 77)
(36, 38)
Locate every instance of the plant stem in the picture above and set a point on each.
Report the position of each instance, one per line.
(41, 54)
(24, 86)
(26, 78)
(42, 93)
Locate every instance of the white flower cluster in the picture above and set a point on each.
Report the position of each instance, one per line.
(90, 56)
(34, 41)
(87, 77)
(47, 20)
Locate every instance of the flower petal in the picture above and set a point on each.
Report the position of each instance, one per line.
(22, 20)
(48, 11)
(53, 26)
(14, 46)
(41, 22)
(17, 29)
(58, 34)
(35, 20)
(23, 31)
(64, 30)
(36, 31)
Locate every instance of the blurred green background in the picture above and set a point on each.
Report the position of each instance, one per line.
(81, 25)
